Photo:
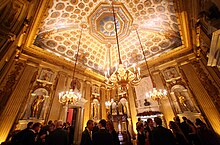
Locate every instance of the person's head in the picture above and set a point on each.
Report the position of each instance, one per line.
(51, 127)
(150, 122)
(90, 125)
(200, 123)
(36, 127)
(30, 125)
(102, 123)
(145, 123)
(140, 127)
(49, 122)
(184, 118)
(175, 128)
(109, 125)
(139, 119)
(158, 121)
(59, 124)
(177, 119)
(67, 123)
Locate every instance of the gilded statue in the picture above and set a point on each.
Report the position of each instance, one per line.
(182, 101)
(35, 106)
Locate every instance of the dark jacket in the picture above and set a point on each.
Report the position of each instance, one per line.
(24, 137)
(150, 136)
(86, 139)
(141, 138)
(115, 138)
(102, 137)
(58, 137)
(163, 136)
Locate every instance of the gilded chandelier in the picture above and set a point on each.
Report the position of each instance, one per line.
(122, 76)
(155, 94)
(71, 96)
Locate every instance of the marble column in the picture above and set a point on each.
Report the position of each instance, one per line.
(15, 101)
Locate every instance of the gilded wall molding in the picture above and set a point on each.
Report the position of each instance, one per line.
(207, 83)
(9, 83)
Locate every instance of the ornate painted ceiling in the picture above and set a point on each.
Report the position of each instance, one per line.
(156, 21)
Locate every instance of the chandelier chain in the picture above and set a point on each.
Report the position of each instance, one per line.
(145, 59)
(77, 53)
(116, 34)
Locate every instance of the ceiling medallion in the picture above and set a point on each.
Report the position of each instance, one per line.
(102, 23)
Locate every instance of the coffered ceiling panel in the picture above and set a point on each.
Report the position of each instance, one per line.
(155, 20)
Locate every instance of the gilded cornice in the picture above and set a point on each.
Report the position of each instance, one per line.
(177, 56)
(33, 53)
(42, 13)
(184, 23)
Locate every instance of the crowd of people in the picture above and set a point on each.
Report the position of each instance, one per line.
(59, 133)
(102, 133)
(54, 133)
(151, 132)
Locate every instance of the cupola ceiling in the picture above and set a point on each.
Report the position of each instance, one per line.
(156, 21)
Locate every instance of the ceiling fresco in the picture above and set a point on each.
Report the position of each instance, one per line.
(155, 19)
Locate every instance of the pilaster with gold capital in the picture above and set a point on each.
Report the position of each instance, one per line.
(87, 95)
(56, 106)
(103, 93)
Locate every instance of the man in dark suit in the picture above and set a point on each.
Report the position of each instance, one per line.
(162, 135)
(29, 136)
(87, 134)
(18, 137)
(150, 128)
(102, 137)
(185, 127)
(59, 136)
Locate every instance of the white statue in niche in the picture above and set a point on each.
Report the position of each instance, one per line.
(95, 109)
(124, 103)
(120, 108)
(114, 108)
